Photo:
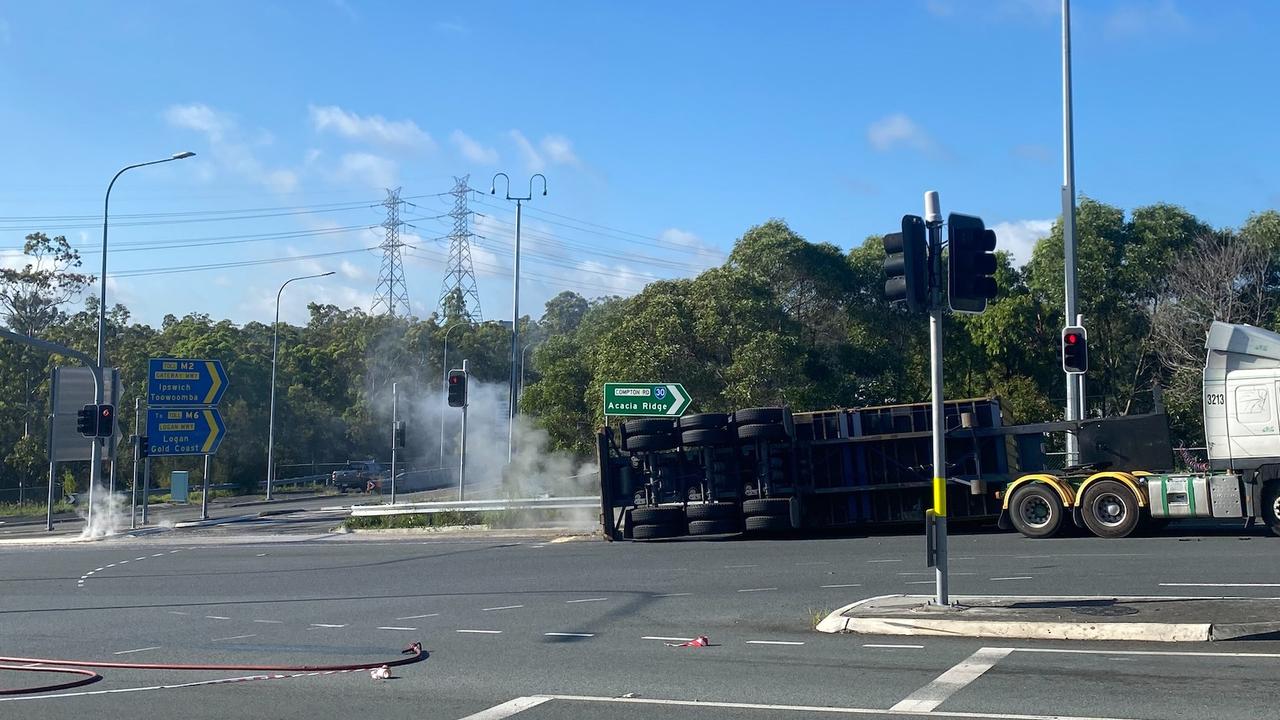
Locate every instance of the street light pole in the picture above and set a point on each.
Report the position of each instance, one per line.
(95, 452)
(512, 410)
(275, 348)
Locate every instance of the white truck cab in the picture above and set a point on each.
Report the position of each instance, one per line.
(1241, 389)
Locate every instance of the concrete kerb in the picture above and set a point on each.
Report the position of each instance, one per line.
(1140, 619)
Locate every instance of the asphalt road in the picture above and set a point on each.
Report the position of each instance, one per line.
(581, 629)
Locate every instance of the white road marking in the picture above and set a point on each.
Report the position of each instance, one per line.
(502, 607)
(669, 639)
(1171, 653)
(160, 554)
(737, 567)
(216, 617)
(481, 632)
(1015, 577)
(123, 562)
(1256, 585)
(393, 627)
(757, 589)
(327, 625)
(929, 697)
(773, 642)
(558, 634)
(883, 561)
(843, 586)
(816, 562)
(674, 595)
(126, 652)
(144, 557)
(270, 622)
(415, 617)
(233, 637)
(177, 612)
(570, 602)
(509, 708)
(887, 646)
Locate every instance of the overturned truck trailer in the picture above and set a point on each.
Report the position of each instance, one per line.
(762, 470)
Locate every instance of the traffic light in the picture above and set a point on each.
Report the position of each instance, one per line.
(972, 264)
(1075, 350)
(397, 440)
(87, 421)
(106, 420)
(906, 264)
(144, 446)
(457, 388)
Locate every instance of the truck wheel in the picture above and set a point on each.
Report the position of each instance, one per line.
(768, 523)
(1036, 510)
(649, 443)
(1110, 510)
(759, 416)
(658, 516)
(724, 526)
(706, 436)
(768, 507)
(711, 511)
(703, 421)
(648, 426)
(1271, 506)
(762, 433)
(654, 532)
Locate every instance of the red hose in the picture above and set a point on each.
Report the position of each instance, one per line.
(414, 653)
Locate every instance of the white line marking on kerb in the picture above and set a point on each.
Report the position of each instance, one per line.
(570, 602)
(887, 646)
(1169, 653)
(773, 642)
(1257, 585)
(502, 607)
(507, 709)
(415, 617)
(126, 652)
(481, 632)
(1016, 577)
(569, 634)
(948, 683)
(757, 589)
(393, 627)
(846, 585)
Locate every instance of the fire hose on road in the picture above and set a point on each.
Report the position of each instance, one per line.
(412, 654)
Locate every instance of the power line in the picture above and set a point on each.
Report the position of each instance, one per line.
(143, 245)
(240, 263)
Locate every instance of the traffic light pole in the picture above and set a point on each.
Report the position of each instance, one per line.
(938, 524)
(394, 438)
(146, 488)
(204, 494)
(462, 447)
(1075, 383)
(137, 445)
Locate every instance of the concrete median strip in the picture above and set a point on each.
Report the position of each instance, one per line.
(1143, 619)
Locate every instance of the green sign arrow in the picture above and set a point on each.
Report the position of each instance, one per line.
(646, 399)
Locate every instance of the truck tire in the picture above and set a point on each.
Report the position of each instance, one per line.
(1271, 505)
(723, 526)
(762, 433)
(711, 511)
(759, 416)
(706, 436)
(648, 443)
(703, 421)
(768, 507)
(655, 532)
(648, 426)
(1036, 510)
(768, 523)
(1110, 510)
(673, 516)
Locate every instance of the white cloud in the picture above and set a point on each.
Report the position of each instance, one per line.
(230, 151)
(1142, 17)
(559, 150)
(610, 279)
(898, 130)
(473, 150)
(699, 254)
(351, 271)
(1019, 237)
(531, 157)
(368, 169)
(370, 128)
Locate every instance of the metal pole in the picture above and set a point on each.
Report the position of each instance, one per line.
(204, 494)
(444, 384)
(137, 453)
(146, 488)
(933, 221)
(515, 345)
(462, 446)
(53, 474)
(393, 443)
(1074, 400)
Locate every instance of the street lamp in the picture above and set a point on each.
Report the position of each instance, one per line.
(445, 362)
(522, 359)
(95, 453)
(275, 347)
(515, 304)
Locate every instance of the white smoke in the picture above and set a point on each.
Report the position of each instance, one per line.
(109, 513)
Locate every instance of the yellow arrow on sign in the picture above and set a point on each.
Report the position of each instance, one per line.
(214, 385)
(213, 430)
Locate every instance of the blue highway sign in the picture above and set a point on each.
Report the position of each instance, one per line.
(185, 383)
(184, 431)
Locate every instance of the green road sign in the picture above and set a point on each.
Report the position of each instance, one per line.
(645, 399)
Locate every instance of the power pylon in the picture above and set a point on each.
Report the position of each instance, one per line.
(392, 297)
(459, 297)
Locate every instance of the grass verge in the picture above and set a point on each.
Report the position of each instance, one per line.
(495, 519)
(30, 509)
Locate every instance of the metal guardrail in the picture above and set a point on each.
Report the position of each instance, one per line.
(424, 508)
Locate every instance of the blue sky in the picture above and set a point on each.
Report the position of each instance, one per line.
(664, 129)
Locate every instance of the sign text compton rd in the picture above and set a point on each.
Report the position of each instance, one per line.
(645, 399)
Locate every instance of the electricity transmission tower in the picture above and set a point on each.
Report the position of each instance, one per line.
(392, 297)
(459, 298)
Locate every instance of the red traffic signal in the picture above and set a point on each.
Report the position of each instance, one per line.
(1075, 350)
(457, 388)
(106, 420)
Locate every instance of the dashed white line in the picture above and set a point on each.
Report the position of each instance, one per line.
(564, 634)
(738, 567)
(570, 602)
(233, 637)
(845, 585)
(773, 642)
(888, 646)
(415, 617)
(144, 557)
(393, 627)
(757, 589)
(669, 639)
(126, 652)
(270, 622)
(327, 625)
(1233, 584)
(1015, 577)
(177, 612)
(502, 607)
(929, 697)
(816, 562)
(216, 617)
(161, 554)
(481, 632)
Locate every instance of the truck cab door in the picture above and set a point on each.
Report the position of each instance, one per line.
(1251, 418)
